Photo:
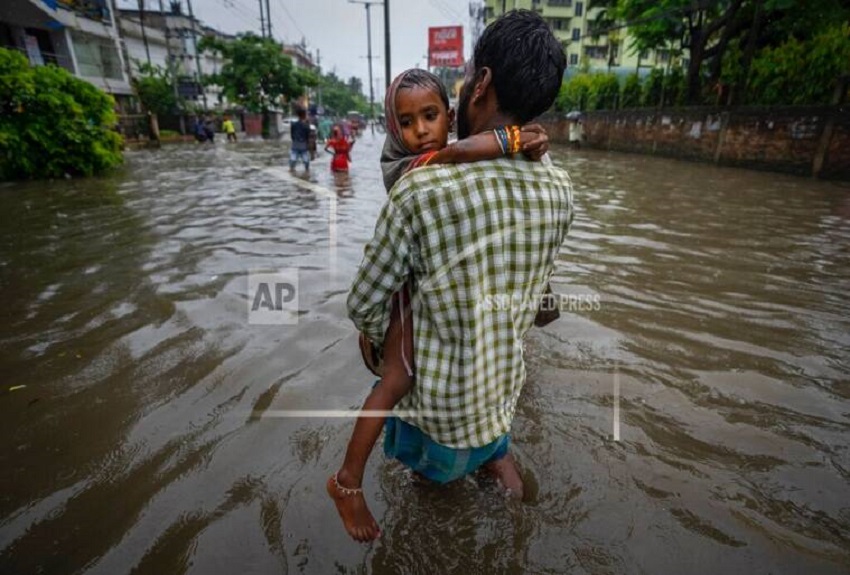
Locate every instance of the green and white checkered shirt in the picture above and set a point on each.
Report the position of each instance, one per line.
(477, 243)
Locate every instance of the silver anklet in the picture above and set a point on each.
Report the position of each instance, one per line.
(346, 490)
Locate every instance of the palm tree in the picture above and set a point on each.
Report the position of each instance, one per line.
(603, 23)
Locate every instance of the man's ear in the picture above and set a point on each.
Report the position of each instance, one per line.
(482, 84)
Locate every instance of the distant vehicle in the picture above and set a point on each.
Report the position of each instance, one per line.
(356, 119)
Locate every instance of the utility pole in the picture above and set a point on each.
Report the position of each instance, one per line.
(368, 4)
(197, 56)
(319, 66)
(387, 70)
(269, 19)
(171, 70)
(262, 21)
(144, 33)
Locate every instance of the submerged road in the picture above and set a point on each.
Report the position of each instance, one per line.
(695, 420)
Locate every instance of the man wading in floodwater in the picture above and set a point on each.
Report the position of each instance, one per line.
(461, 234)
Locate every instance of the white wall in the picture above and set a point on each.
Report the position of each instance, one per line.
(136, 51)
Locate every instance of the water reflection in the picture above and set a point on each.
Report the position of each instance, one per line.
(145, 435)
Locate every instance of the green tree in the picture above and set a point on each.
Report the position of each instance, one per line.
(355, 85)
(256, 74)
(801, 72)
(338, 96)
(154, 89)
(703, 27)
(604, 22)
(723, 37)
(52, 123)
(769, 24)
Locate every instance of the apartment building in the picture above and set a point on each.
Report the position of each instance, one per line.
(170, 38)
(104, 46)
(300, 56)
(573, 22)
(79, 35)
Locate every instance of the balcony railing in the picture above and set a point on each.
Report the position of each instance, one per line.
(92, 9)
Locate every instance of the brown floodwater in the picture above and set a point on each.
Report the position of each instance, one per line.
(694, 419)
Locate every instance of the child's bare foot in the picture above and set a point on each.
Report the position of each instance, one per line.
(505, 472)
(352, 508)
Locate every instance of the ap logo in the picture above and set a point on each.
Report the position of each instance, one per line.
(273, 297)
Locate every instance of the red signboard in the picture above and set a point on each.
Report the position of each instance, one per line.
(445, 46)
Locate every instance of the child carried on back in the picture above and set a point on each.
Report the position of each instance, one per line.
(418, 124)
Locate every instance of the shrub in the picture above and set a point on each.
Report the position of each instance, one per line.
(653, 86)
(675, 88)
(574, 94)
(604, 92)
(630, 97)
(52, 123)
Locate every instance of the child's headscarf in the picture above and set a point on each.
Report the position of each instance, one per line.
(396, 159)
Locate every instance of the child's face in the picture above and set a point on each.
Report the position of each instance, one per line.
(423, 118)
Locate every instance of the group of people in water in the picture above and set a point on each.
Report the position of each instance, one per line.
(204, 129)
(303, 134)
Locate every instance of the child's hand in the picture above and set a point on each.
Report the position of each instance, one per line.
(534, 142)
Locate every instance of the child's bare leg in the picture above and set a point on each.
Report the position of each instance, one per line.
(548, 310)
(394, 384)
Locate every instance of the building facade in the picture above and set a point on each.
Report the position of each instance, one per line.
(171, 38)
(585, 44)
(300, 56)
(104, 46)
(144, 44)
(81, 36)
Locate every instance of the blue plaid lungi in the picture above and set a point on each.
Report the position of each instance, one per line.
(439, 463)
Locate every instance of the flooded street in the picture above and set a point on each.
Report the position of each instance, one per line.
(697, 420)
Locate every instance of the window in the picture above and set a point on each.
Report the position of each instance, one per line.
(573, 59)
(96, 57)
(566, 3)
(597, 52)
(576, 34)
(579, 8)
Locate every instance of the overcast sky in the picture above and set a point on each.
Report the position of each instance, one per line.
(337, 28)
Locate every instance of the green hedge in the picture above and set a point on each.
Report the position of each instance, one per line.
(52, 123)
